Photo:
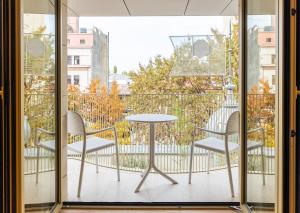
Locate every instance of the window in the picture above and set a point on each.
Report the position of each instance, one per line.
(69, 60)
(268, 40)
(83, 30)
(82, 41)
(76, 79)
(273, 79)
(69, 79)
(273, 59)
(76, 60)
(69, 41)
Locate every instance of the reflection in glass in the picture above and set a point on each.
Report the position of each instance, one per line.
(39, 105)
(261, 92)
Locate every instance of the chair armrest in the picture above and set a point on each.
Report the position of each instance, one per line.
(261, 130)
(45, 131)
(100, 130)
(41, 130)
(256, 130)
(210, 131)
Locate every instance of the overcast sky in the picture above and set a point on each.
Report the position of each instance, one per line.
(135, 40)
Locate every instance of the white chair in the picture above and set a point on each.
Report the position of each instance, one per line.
(48, 145)
(223, 146)
(88, 145)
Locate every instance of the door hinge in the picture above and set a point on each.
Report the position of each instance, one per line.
(293, 11)
(293, 133)
(2, 93)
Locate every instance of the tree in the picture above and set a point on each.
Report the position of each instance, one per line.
(115, 69)
(39, 81)
(182, 72)
(98, 107)
(233, 44)
(261, 111)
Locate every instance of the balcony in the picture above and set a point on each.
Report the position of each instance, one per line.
(172, 151)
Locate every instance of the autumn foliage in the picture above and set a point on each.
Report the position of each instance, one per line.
(261, 111)
(99, 107)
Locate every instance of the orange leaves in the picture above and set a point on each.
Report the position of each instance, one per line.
(99, 107)
(94, 86)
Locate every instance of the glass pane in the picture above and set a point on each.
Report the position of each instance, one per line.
(39, 104)
(183, 66)
(261, 95)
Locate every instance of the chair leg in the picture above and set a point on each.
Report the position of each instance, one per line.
(263, 164)
(118, 162)
(81, 174)
(208, 161)
(191, 163)
(229, 174)
(97, 164)
(37, 165)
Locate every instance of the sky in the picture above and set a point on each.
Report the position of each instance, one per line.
(134, 40)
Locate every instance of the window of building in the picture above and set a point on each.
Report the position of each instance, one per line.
(83, 30)
(268, 39)
(82, 41)
(273, 59)
(69, 60)
(76, 79)
(69, 79)
(76, 59)
(273, 79)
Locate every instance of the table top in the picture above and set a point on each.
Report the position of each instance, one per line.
(151, 118)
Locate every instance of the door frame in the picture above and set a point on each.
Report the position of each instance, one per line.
(14, 96)
(13, 147)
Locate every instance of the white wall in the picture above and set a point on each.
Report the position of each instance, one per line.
(266, 55)
(85, 56)
(267, 66)
(84, 76)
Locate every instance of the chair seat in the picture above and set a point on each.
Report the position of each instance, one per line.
(215, 145)
(218, 145)
(93, 144)
(49, 145)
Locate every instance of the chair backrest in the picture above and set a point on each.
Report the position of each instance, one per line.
(75, 124)
(233, 123)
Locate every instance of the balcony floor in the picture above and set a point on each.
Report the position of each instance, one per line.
(104, 187)
(213, 187)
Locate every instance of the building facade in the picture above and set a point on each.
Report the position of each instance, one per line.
(267, 53)
(87, 55)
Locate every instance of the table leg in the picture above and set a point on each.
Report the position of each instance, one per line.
(152, 160)
(143, 179)
(164, 175)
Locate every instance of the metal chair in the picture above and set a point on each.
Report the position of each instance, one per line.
(223, 146)
(48, 145)
(88, 145)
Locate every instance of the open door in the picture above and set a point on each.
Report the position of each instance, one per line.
(41, 104)
(260, 121)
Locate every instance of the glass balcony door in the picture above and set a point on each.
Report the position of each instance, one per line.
(40, 104)
(261, 74)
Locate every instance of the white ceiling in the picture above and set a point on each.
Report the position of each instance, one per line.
(153, 7)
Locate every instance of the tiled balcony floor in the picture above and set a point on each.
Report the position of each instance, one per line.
(213, 187)
(104, 187)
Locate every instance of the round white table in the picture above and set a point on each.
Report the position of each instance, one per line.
(152, 119)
